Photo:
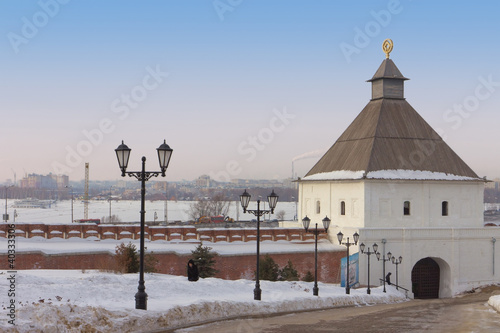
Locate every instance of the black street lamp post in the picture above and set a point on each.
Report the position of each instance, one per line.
(123, 154)
(384, 259)
(326, 223)
(245, 200)
(295, 217)
(110, 193)
(396, 262)
(368, 253)
(71, 187)
(340, 236)
(6, 215)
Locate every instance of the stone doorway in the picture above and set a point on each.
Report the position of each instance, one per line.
(425, 277)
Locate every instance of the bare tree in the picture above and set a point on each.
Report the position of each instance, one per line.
(280, 215)
(218, 204)
(198, 209)
(114, 218)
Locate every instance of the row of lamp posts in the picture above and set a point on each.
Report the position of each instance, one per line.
(164, 154)
(340, 237)
(390, 257)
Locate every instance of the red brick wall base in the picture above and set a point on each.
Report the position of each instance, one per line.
(231, 267)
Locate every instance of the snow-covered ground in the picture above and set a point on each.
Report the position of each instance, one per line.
(92, 301)
(127, 211)
(494, 301)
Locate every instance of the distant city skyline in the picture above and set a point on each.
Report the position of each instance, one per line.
(238, 89)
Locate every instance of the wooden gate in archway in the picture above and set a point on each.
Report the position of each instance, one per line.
(425, 279)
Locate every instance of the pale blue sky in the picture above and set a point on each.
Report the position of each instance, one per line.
(251, 84)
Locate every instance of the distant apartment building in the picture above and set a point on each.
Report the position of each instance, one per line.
(264, 183)
(49, 181)
(493, 184)
(159, 186)
(204, 181)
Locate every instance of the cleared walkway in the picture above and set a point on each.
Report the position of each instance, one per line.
(468, 313)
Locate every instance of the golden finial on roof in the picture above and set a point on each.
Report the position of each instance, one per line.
(387, 46)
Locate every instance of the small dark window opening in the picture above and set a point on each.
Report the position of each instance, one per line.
(342, 208)
(406, 208)
(444, 208)
(318, 207)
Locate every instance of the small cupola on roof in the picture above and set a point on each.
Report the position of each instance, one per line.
(388, 82)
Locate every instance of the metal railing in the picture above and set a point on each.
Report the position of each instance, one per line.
(397, 287)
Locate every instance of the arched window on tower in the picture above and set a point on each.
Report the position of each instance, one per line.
(342, 208)
(444, 208)
(406, 208)
(318, 207)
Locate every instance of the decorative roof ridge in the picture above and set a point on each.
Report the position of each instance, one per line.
(385, 97)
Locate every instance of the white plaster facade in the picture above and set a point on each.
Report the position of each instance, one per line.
(373, 203)
(458, 241)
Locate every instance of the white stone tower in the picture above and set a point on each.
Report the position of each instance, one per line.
(391, 177)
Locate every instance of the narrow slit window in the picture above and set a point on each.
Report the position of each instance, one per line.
(406, 208)
(444, 208)
(318, 207)
(342, 208)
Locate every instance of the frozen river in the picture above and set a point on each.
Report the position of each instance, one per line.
(127, 211)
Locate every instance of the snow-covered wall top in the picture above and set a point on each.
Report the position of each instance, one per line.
(342, 174)
(387, 174)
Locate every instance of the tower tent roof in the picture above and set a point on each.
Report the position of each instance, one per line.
(390, 140)
(388, 70)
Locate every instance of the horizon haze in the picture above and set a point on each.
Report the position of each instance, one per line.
(238, 89)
